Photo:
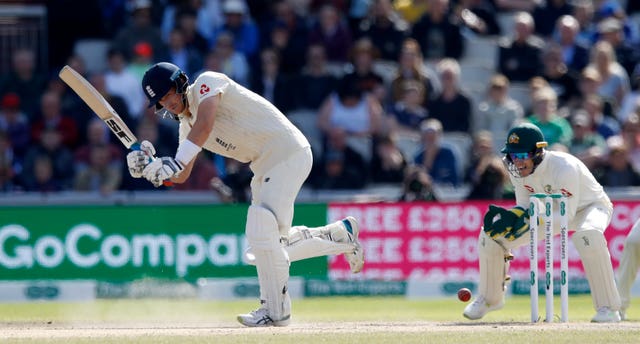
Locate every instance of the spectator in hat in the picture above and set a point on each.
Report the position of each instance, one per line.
(238, 22)
(438, 160)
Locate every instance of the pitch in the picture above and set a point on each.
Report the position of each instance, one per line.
(315, 320)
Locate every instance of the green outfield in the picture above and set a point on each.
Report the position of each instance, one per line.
(315, 320)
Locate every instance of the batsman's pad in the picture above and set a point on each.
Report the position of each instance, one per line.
(494, 264)
(271, 261)
(592, 247)
(304, 242)
(507, 223)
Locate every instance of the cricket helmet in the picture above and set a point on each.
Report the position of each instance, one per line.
(160, 78)
(524, 138)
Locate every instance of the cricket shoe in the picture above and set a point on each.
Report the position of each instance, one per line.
(479, 307)
(347, 232)
(260, 318)
(606, 315)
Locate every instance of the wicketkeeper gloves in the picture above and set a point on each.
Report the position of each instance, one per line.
(507, 223)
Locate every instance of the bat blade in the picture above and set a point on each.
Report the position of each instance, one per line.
(98, 104)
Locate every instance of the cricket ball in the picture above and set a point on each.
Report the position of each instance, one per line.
(464, 294)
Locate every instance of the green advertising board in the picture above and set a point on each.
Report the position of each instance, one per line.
(125, 243)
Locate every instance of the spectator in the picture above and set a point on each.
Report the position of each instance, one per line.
(25, 80)
(547, 13)
(606, 126)
(140, 29)
(385, 28)
(588, 85)
(237, 21)
(9, 168)
(363, 54)
(408, 113)
(631, 136)
(575, 54)
(452, 107)
(141, 60)
(584, 12)
(411, 67)
(188, 21)
(234, 63)
(340, 167)
(48, 154)
(631, 102)
(315, 83)
(14, 125)
(101, 174)
(197, 18)
(497, 112)
(288, 33)
(562, 79)
(122, 82)
(615, 80)
(626, 50)
(520, 56)
(617, 171)
(51, 116)
(486, 174)
(270, 83)
(187, 58)
(438, 160)
(331, 31)
(417, 185)
(587, 145)
(98, 134)
(349, 109)
(99, 82)
(437, 33)
(387, 162)
(556, 129)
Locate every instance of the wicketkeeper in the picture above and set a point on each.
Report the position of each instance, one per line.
(533, 169)
(220, 115)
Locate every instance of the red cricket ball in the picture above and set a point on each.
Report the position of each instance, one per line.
(464, 294)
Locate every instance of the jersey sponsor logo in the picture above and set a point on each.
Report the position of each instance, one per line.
(204, 89)
(227, 146)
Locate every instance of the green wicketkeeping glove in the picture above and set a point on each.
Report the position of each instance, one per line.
(511, 223)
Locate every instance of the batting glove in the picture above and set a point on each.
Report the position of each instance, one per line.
(137, 160)
(162, 169)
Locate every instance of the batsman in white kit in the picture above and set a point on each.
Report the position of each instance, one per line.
(533, 169)
(219, 115)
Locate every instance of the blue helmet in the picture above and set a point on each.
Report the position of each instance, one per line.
(160, 78)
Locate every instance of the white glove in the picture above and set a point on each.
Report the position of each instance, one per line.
(162, 169)
(137, 160)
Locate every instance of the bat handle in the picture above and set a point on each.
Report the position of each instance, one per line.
(136, 146)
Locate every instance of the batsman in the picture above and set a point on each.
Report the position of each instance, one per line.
(217, 114)
(534, 169)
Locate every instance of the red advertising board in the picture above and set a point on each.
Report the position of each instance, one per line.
(438, 241)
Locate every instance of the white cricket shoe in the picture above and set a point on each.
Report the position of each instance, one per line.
(606, 315)
(355, 258)
(260, 318)
(479, 307)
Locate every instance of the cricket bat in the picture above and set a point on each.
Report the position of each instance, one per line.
(101, 107)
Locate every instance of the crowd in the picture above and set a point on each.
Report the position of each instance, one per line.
(375, 75)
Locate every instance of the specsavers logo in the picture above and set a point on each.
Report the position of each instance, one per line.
(18, 250)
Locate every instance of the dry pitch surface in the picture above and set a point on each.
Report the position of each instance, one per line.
(323, 320)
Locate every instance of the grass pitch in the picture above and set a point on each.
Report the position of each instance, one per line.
(315, 320)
